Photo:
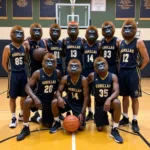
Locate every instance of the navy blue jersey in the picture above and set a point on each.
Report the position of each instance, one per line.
(90, 54)
(47, 85)
(17, 58)
(74, 50)
(75, 91)
(130, 55)
(102, 88)
(109, 50)
(35, 65)
(56, 49)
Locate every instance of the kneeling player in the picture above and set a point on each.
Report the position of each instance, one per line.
(47, 80)
(106, 91)
(77, 95)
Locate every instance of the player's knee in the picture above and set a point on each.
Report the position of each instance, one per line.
(54, 103)
(99, 129)
(134, 100)
(28, 102)
(116, 103)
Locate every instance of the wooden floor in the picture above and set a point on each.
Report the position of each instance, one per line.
(89, 139)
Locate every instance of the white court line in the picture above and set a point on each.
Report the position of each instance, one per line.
(73, 141)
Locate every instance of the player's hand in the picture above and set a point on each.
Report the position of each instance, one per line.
(107, 105)
(61, 102)
(37, 103)
(81, 118)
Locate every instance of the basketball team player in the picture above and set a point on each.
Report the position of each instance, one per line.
(106, 91)
(13, 61)
(73, 45)
(47, 79)
(33, 42)
(77, 96)
(132, 50)
(91, 51)
(110, 47)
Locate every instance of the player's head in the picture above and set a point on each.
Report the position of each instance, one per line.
(36, 31)
(49, 61)
(73, 29)
(129, 29)
(74, 67)
(55, 31)
(108, 29)
(17, 34)
(91, 34)
(100, 65)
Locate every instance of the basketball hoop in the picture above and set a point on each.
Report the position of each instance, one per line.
(72, 1)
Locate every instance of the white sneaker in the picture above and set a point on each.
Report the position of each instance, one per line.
(13, 123)
(20, 118)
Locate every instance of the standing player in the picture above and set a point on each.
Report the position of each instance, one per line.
(73, 45)
(131, 49)
(106, 91)
(77, 95)
(31, 44)
(54, 45)
(47, 79)
(110, 46)
(91, 51)
(13, 61)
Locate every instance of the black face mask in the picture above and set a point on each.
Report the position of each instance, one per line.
(91, 35)
(55, 33)
(37, 33)
(100, 66)
(19, 36)
(73, 30)
(128, 29)
(108, 30)
(74, 67)
(49, 63)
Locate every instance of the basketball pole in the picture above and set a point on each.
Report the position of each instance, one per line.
(72, 9)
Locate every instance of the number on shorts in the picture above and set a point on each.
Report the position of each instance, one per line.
(48, 89)
(18, 61)
(57, 54)
(73, 53)
(107, 54)
(125, 57)
(75, 96)
(90, 58)
(103, 92)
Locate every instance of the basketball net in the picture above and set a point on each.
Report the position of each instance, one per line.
(72, 8)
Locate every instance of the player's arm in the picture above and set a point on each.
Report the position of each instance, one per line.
(64, 48)
(85, 94)
(90, 77)
(27, 46)
(99, 49)
(114, 94)
(58, 75)
(118, 49)
(144, 53)
(60, 89)
(5, 58)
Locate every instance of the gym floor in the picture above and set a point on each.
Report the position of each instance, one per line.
(90, 139)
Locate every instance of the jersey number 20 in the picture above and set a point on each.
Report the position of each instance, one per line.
(48, 89)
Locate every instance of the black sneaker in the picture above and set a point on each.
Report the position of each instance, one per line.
(89, 116)
(135, 126)
(25, 132)
(124, 121)
(34, 118)
(13, 123)
(61, 117)
(55, 127)
(68, 113)
(115, 134)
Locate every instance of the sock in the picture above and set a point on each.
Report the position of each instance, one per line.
(125, 114)
(21, 112)
(56, 119)
(134, 117)
(90, 109)
(13, 115)
(26, 124)
(38, 119)
(115, 125)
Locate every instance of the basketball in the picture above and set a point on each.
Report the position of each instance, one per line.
(71, 123)
(39, 53)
